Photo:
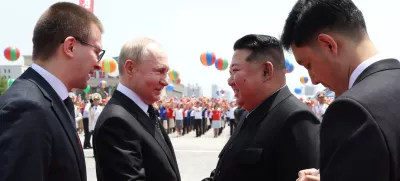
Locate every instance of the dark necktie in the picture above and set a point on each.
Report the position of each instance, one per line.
(153, 117)
(70, 106)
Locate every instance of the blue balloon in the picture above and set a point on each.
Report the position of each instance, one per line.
(289, 66)
(170, 87)
(287, 63)
(217, 93)
(297, 90)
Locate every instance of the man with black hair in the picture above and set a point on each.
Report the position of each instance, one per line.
(279, 135)
(360, 133)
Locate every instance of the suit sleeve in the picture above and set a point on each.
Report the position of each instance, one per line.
(118, 151)
(25, 142)
(299, 147)
(352, 144)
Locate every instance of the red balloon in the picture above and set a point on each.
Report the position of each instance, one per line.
(12, 53)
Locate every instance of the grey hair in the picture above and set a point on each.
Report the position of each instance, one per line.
(134, 50)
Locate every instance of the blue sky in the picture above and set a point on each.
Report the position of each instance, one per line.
(186, 28)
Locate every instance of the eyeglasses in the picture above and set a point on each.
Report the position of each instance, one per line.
(101, 53)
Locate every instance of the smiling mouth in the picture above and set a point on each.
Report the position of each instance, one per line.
(236, 91)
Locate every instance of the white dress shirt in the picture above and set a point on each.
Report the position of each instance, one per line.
(231, 113)
(179, 114)
(134, 97)
(86, 110)
(197, 113)
(54, 82)
(360, 68)
(95, 112)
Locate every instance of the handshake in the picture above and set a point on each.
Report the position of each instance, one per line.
(311, 174)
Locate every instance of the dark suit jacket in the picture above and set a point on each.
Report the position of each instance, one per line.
(37, 138)
(360, 132)
(239, 111)
(128, 147)
(275, 141)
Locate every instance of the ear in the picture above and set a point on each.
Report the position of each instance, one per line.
(68, 46)
(130, 67)
(268, 70)
(326, 42)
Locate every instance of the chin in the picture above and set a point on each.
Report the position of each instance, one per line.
(239, 102)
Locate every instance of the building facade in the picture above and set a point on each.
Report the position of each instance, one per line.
(192, 90)
(12, 71)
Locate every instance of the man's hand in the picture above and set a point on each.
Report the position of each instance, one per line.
(309, 175)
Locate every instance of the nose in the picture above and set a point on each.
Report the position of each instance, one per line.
(164, 82)
(314, 80)
(97, 66)
(231, 82)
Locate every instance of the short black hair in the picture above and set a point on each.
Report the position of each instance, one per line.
(309, 17)
(264, 48)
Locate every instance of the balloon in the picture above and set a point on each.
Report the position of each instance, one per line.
(10, 82)
(221, 64)
(217, 93)
(87, 89)
(297, 90)
(304, 80)
(108, 65)
(170, 87)
(177, 81)
(12, 53)
(103, 84)
(115, 73)
(207, 58)
(173, 74)
(222, 91)
(289, 66)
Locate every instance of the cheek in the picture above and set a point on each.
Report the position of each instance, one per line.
(242, 82)
(152, 81)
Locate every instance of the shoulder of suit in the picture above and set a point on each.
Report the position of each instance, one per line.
(115, 112)
(25, 96)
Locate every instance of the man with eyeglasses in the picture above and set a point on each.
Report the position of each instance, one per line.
(38, 139)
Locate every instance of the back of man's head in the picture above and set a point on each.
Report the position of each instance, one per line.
(308, 18)
(264, 48)
(61, 20)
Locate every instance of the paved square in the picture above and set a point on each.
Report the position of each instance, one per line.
(196, 156)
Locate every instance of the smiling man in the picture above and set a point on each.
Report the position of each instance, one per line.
(128, 142)
(360, 132)
(280, 134)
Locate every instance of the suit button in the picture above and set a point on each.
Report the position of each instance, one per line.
(230, 146)
(218, 172)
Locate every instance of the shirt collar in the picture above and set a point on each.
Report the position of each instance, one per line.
(54, 82)
(360, 68)
(133, 96)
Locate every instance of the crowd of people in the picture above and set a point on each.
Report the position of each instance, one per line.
(184, 115)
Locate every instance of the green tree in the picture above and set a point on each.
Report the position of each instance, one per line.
(3, 84)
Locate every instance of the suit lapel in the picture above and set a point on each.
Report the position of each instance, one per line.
(382, 65)
(264, 114)
(61, 113)
(269, 104)
(144, 120)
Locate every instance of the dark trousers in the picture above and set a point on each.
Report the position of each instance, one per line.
(204, 125)
(197, 126)
(232, 124)
(86, 143)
